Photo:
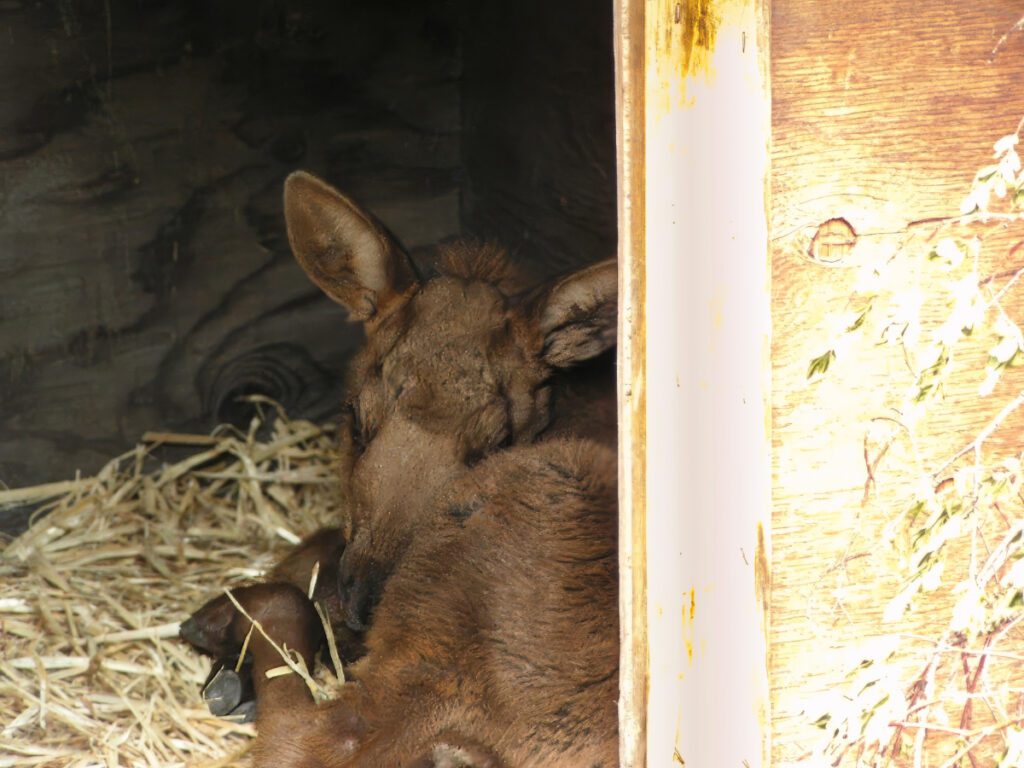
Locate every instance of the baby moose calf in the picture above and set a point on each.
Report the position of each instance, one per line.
(481, 564)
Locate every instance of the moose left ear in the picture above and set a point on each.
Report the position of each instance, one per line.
(578, 315)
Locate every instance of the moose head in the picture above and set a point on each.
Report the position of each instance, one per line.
(455, 367)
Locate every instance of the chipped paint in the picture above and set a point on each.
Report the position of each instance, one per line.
(689, 610)
(762, 594)
(717, 307)
(762, 574)
(683, 39)
(699, 28)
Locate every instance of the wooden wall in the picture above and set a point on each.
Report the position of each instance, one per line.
(144, 276)
(539, 129)
(882, 111)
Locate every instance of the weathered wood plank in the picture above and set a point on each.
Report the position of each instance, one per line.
(881, 114)
(538, 136)
(144, 276)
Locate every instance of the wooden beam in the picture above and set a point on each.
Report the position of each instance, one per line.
(696, 375)
(629, 102)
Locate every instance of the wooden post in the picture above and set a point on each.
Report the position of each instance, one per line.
(695, 469)
(629, 129)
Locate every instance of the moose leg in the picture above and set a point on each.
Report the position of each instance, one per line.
(209, 628)
(292, 731)
(288, 720)
(229, 688)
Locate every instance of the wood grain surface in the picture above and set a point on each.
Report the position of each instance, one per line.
(145, 281)
(882, 112)
(539, 129)
(144, 277)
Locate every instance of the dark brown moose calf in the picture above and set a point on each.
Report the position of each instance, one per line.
(486, 558)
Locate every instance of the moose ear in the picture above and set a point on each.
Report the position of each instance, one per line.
(342, 249)
(578, 315)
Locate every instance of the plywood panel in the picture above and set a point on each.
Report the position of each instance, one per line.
(882, 111)
(144, 276)
(538, 129)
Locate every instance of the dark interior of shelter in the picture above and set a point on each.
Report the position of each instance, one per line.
(145, 276)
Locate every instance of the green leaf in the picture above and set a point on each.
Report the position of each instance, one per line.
(820, 364)
(860, 320)
(915, 509)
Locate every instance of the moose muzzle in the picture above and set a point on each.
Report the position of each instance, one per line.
(360, 584)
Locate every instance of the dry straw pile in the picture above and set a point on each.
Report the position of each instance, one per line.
(91, 595)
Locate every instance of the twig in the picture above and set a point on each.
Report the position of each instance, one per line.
(980, 217)
(965, 751)
(178, 438)
(971, 686)
(929, 726)
(984, 731)
(245, 649)
(1000, 275)
(985, 433)
(1001, 554)
(1001, 42)
(146, 633)
(870, 466)
(917, 689)
(979, 652)
(1014, 277)
(332, 644)
(45, 491)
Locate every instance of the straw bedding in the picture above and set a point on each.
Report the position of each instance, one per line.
(91, 595)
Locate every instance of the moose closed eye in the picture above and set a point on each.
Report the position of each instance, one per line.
(358, 427)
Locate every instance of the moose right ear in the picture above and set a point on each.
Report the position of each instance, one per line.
(577, 318)
(342, 249)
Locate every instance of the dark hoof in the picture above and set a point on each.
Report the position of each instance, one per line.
(243, 713)
(226, 690)
(192, 633)
(209, 629)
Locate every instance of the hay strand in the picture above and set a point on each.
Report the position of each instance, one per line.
(91, 670)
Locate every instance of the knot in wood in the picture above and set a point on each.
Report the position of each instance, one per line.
(833, 241)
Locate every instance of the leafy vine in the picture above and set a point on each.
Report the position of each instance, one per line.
(971, 502)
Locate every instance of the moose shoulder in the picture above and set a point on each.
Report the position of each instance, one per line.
(482, 539)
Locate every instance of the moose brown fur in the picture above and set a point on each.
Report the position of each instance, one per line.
(486, 557)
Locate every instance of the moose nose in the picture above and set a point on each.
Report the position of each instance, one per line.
(359, 586)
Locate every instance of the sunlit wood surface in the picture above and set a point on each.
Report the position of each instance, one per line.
(882, 112)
